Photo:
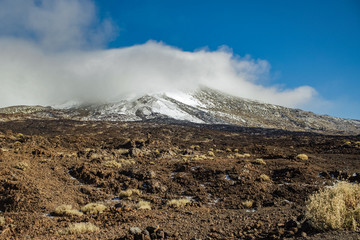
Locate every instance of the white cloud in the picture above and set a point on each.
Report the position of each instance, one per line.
(55, 25)
(51, 62)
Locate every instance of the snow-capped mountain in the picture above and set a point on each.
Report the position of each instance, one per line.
(205, 106)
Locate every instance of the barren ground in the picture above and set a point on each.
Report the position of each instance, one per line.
(45, 164)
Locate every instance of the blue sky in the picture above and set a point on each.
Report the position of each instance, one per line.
(301, 54)
(314, 43)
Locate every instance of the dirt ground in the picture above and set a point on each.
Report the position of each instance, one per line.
(238, 183)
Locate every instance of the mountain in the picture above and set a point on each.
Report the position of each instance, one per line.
(205, 106)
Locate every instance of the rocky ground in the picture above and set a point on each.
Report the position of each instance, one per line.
(232, 182)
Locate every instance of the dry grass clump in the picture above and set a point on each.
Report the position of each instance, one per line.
(248, 204)
(83, 227)
(118, 163)
(260, 161)
(195, 147)
(200, 157)
(67, 210)
(265, 178)
(178, 203)
(128, 193)
(302, 157)
(143, 205)
(211, 153)
(93, 208)
(2, 221)
(336, 207)
(238, 155)
(22, 166)
(112, 164)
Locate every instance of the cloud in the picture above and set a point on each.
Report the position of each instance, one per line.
(55, 25)
(57, 58)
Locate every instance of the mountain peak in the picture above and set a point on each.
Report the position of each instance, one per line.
(205, 106)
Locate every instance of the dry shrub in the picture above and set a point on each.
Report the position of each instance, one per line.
(302, 157)
(178, 203)
(22, 166)
(83, 227)
(336, 207)
(265, 178)
(248, 204)
(260, 161)
(67, 210)
(128, 193)
(93, 208)
(143, 205)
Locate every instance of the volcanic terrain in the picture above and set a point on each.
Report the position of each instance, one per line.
(161, 180)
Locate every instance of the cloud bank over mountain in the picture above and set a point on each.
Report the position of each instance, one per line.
(54, 51)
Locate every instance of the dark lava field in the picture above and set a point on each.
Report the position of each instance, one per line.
(152, 180)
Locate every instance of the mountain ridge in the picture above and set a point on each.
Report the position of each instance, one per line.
(205, 106)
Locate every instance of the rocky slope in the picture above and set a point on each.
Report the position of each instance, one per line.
(204, 106)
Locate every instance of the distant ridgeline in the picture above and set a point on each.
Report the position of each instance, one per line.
(205, 106)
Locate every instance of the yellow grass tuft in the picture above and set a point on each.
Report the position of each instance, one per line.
(248, 204)
(67, 210)
(118, 163)
(22, 166)
(178, 203)
(265, 178)
(83, 227)
(195, 147)
(2, 221)
(128, 193)
(260, 161)
(337, 207)
(112, 164)
(93, 208)
(211, 153)
(143, 205)
(302, 157)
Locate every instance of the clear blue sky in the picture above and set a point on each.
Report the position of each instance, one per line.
(314, 43)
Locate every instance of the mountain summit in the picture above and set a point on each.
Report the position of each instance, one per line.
(205, 106)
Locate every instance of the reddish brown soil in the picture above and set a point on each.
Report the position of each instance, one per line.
(62, 162)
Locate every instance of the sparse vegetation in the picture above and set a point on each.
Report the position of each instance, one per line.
(195, 147)
(67, 210)
(302, 157)
(265, 178)
(2, 221)
(22, 166)
(82, 227)
(178, 203)
(143, 205)
(117, 163)
(211, 154)
(260, 161)
(112, 164)
(248, 204)
(336, 207)
(128, 193)
(93, 208)
(238, 155)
